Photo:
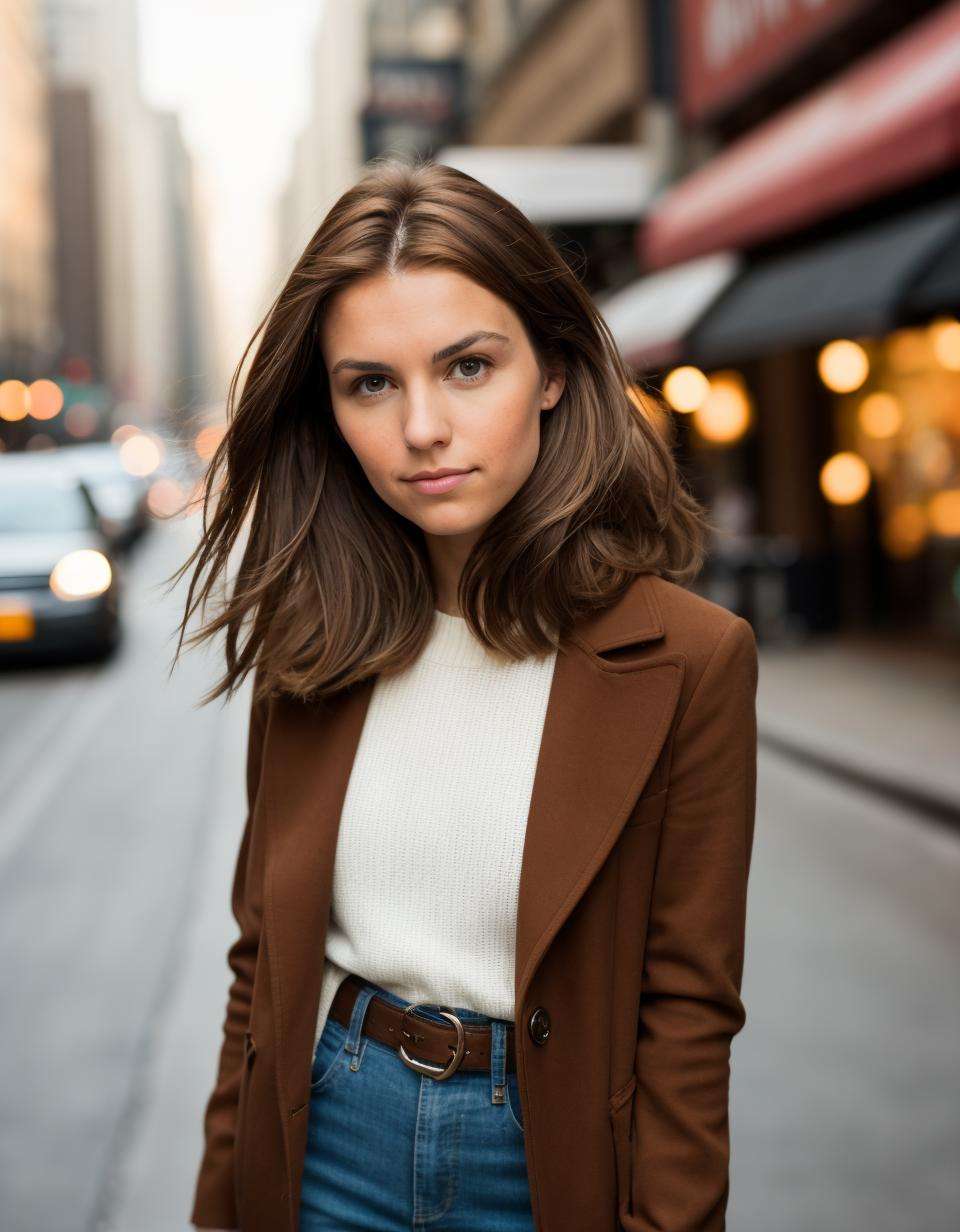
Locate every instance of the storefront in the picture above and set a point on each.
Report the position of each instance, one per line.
(819, 388)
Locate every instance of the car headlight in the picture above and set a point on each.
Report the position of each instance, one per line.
(83, 574)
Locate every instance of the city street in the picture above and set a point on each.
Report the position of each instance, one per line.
(121, 807)
(500, 302)
(121, 811)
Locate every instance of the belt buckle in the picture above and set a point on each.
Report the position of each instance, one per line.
(424, 1067)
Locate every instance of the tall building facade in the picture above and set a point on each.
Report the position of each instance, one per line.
(27, 300)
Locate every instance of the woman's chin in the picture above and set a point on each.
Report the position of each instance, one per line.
(447, 523)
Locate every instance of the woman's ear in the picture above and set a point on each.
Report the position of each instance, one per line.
(553, 387)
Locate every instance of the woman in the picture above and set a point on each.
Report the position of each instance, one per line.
(501, 767)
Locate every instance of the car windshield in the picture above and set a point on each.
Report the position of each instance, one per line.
(41, 507)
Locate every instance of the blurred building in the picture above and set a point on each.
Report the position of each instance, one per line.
(415, 89)
(387, 78)
(27, 322)
(194, 378)
(328, 153)
(132, 291)
(557, 122)
(75, 196)
(800, 303)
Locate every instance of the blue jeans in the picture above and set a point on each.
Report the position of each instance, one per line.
(392, 1150)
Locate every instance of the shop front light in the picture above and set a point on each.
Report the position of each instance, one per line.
(686, 389)
(83, 574)
(843, 365)
(844, 478)
(945, 336)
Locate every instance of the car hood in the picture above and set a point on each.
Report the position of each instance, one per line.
(24, 553)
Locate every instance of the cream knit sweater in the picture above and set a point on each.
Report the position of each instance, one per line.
(427, 866)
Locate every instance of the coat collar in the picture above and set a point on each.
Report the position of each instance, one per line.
(635, 617)
(605, 725)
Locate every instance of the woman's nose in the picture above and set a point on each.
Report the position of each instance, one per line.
(426, 417)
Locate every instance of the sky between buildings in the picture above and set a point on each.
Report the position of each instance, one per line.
(237, 72)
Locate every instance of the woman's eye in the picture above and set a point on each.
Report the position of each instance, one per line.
(369, 392)
(473, 374)
(473, 368)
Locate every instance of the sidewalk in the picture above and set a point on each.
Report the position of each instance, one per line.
(884, 713)
(153, 1185)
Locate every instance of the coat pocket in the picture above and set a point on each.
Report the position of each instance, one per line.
(648, 810)
(621, 1121)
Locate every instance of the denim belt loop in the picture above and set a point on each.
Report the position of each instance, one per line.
(355, 1030)
(498, 1061)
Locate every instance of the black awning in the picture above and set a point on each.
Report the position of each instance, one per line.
(938, 290)
(848, 285)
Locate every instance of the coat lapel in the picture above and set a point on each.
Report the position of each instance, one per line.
(604, 728)
(605, 725)
(603, 731)
(305, 777)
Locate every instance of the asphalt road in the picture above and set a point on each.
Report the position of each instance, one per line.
(120, 811)
(110, 810)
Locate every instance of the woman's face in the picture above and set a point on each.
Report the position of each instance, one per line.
(430, 371)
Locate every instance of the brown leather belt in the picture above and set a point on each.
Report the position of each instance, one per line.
(431, 1046)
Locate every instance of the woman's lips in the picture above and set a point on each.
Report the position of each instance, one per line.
(434, 487)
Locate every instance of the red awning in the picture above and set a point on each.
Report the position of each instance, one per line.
(891, 119)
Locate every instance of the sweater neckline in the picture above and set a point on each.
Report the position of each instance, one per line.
(451, 642)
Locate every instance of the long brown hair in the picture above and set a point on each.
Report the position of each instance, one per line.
(333, 584)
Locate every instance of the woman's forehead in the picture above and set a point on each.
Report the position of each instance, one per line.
(425, 310)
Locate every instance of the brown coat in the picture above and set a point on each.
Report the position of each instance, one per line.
(630, 929)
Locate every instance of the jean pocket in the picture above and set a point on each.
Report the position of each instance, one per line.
(512, 1105)
(329, 1054)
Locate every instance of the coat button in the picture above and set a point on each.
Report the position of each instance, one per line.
(538, 1024)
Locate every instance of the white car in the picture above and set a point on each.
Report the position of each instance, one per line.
(121, 498)
(59, 579)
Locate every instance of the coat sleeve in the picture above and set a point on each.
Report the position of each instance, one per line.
(214, 1202)
(690, 996)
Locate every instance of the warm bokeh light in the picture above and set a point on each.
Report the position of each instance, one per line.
(904, 531)
(14, 401)
(81, 419)
(46, 399)
(725, 415)
(77, 368)
(686, 388)
(140, 454)
(83, 574)
(880, 415)
(124, 433)
(207, 440)
(943, 511)
(39, 442)
(945, 339)
(844, 478)
(166, 498)
(908, 350)
(652, 408)
(931, 456)
(843, 365)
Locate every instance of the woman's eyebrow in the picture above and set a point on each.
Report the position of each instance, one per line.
(372, 365)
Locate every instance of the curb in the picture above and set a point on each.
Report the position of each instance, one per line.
(932, 803)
